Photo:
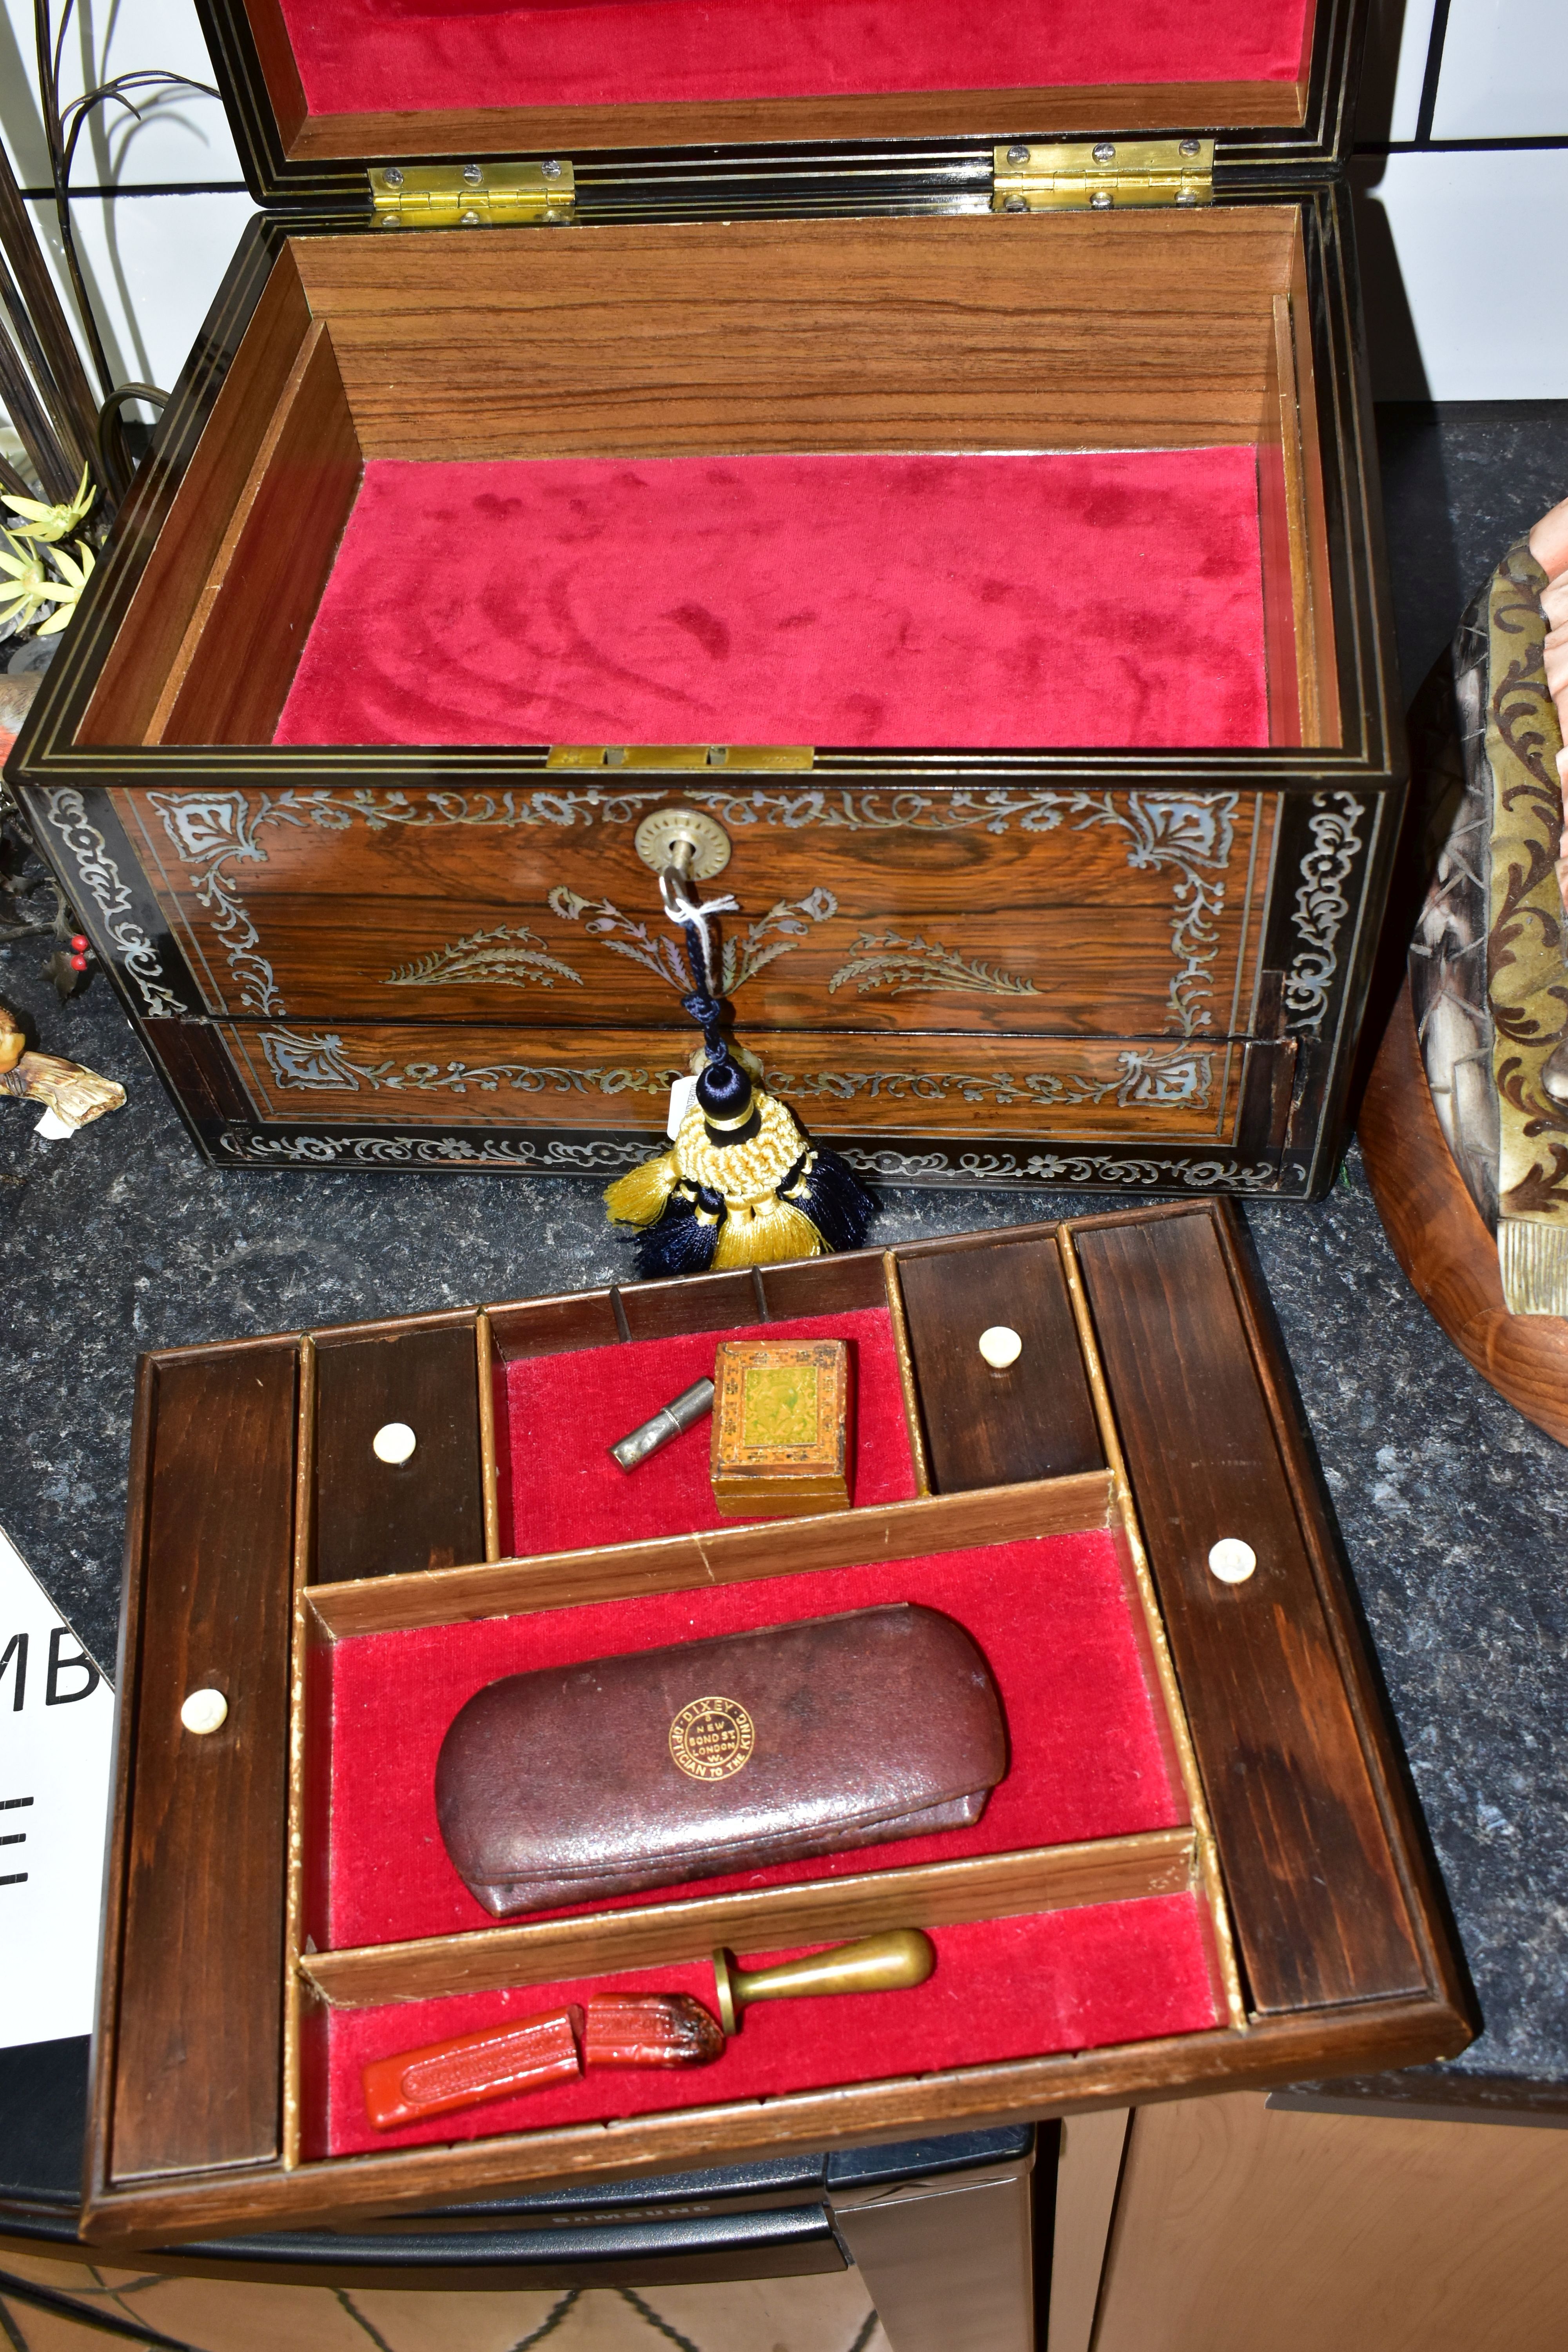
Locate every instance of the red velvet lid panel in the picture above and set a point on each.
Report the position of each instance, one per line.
(369, 56)
(1022, 1988)
(978, 601)
(558, 1416)
(1086, 1751)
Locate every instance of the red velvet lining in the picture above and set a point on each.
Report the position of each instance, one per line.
(986, 601)
(363, 56)
(1002, 1989)
(563, 1413)
(1052, 1617)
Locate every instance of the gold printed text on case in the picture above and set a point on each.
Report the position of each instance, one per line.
(712, 1739)
(878, 1724)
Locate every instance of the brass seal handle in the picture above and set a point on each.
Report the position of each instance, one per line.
(888, 1963)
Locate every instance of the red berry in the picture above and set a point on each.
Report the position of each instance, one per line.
(79, 943)
(79, 963)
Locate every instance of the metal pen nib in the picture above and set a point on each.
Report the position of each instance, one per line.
(680, 1413)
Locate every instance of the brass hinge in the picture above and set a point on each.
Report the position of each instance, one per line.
(1102, 177)
(471, 195)
(758, 758)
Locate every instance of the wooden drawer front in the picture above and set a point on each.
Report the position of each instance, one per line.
(619, 1079)
(195, 2037)
(384, 1518)
(989, 1428)
(1294, 1785)
(1008, 910)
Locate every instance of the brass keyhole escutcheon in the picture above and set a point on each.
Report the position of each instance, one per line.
(687, 838)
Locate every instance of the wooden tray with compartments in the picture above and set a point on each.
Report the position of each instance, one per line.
(1203, 1868)
(961, 494)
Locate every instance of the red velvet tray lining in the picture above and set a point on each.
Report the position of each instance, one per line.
(1081, 1980)
(558, 1415)
(983, 599)
(365, 56)
(1053, 1616)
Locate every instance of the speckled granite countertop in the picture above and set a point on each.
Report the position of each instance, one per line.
(1454, 1511)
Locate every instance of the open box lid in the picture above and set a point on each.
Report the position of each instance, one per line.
(674, 107)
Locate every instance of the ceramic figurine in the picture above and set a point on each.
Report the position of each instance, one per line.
(72, 1094)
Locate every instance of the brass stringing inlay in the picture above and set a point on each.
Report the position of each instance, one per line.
(899, 966)
(514, 958)
(1175, 1076)
(931, 1162)
(100, 875)
(1321, 907)
(773, 934)
(1178, 1076)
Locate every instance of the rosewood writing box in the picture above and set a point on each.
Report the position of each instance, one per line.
(1200, 1870)
(959, 493)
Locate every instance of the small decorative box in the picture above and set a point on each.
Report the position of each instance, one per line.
(780, 1411)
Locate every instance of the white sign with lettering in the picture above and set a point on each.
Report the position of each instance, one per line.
(57, 1746)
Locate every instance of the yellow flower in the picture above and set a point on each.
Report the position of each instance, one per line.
(29, 586)
(26, 584)
(45, 525)
(66, 593)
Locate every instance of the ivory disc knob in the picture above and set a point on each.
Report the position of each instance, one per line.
(205, 1711)
(1232, 1561)
(1001, 1346)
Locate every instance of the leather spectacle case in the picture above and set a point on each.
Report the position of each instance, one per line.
(664, 1766)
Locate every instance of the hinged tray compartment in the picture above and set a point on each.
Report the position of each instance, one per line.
(1201, 1870)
